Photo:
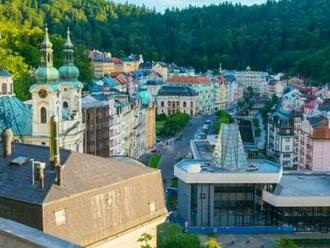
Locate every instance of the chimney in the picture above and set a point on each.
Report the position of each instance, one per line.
(54, 153)
(40, 176)
(54, 149)
(7, 137)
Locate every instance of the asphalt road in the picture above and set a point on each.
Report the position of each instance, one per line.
(178, 147)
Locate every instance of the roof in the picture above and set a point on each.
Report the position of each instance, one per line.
(299, 184)
(321, 132)
(189, 79)
(31, 237)
(16, 115)
(229, 151)
(4, 73)
(316, 121)
(154, 82)
(81, 173)
(169, 90)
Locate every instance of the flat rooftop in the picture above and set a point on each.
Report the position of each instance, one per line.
(264, 166)
(304, 184)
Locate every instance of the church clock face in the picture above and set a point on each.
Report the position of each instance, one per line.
(42, 93)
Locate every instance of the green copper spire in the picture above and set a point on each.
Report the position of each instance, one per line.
(46, 73)
(68, 43)
(68, 72)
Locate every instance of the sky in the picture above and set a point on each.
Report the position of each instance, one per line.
(161, 5)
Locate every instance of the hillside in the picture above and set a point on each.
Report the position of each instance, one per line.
(290, 35)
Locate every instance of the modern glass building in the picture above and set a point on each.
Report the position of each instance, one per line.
(220, 188)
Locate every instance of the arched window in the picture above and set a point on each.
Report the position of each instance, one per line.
(162, 104)
(184, 104)
(65, 105)
(4, 88)
(43, 115)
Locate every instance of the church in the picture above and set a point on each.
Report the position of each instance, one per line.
(55, 92)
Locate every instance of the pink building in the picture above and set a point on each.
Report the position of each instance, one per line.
(314, 144)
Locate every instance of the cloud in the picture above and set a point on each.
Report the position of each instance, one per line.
(163, 4)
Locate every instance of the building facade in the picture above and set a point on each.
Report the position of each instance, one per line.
(281, 138)
(177, 99)
(102, 63)
(313, 144)
(202, 85)
(220, 191)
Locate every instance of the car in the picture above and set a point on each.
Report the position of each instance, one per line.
(208, 122)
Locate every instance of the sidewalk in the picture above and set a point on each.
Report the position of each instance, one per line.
(261, 240)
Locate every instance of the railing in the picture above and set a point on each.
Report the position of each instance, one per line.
(242, 230)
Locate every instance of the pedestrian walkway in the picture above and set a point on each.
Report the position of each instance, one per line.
(261, 240)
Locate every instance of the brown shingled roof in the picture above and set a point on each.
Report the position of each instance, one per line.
(189, 79)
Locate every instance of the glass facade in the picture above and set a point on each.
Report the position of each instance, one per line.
(303, 219)
(238, 205)
(242, 205)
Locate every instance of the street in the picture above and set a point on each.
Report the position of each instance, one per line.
(178, 147)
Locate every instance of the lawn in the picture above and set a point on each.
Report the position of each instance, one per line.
(154, 161)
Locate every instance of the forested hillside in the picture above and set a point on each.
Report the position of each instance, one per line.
(289, 35)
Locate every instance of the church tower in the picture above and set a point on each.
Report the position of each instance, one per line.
(69, 73)
(57, 93)
(46, 93)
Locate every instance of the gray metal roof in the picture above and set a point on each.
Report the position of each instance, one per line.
(169, 90)
(81, 173)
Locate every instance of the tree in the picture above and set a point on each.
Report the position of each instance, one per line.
(285, 243)
(222, 117)
(145, 239)
(171, 235)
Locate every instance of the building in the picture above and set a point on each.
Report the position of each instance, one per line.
(281, 137)
(202, 85)
(55, 92)
(174, 99)
(84, 199)
(153, 86)
(257, 80)
(220, 191)
(102, 63)
(148, 113)
(159, 67)
(227, 92)
(313, 144)
(118, 123)
(96, 111)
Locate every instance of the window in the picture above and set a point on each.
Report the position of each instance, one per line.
(60, 217)
(65, 105)
(152, 206)
(162, 104)
(4, 88)
(184, 104)
(286, 155)
(287, 148)
(43, 115)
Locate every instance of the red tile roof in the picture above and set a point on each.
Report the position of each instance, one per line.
(117, 61)
(189, 79)
(322, 132)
